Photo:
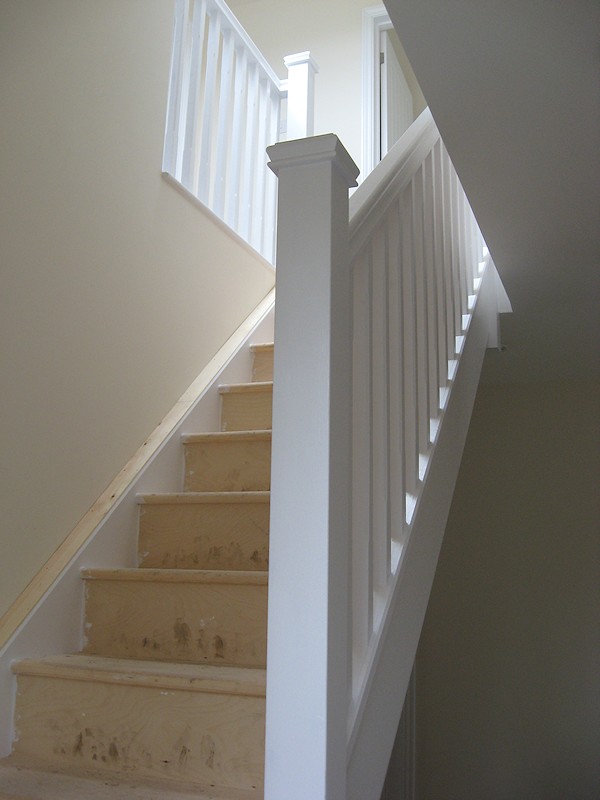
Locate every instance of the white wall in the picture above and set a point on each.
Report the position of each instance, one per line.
(332, 32)
(115, 291)
(508, 695)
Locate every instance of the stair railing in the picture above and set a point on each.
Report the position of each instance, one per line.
(376, 306)
(225, 106)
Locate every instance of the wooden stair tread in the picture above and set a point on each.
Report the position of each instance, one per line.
(41, 781)
(254, 387)
(262, 347)
(246, 577)
(242, 681)
(204, 497)
(227, 436)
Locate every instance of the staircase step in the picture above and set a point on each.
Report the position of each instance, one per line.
(262, 368)
(237, 461)
(227, 530)
(197, 616)
(20, 781)
(246, 406)
(176, 723)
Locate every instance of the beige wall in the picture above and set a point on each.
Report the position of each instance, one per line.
(507, 670)
(115, 290)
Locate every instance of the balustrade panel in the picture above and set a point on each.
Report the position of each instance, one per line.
(413, 271)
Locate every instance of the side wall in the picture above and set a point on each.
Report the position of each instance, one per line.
(507, 668)
(116, 291)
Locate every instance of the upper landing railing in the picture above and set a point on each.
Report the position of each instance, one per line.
(226, 105)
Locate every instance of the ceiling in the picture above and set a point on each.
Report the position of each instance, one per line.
(514, 88)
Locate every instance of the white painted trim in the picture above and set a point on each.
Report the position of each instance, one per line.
(375, 20)
(307, 690)
(48, 618)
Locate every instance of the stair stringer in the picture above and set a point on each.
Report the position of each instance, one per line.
(382, 699)
(55, 623)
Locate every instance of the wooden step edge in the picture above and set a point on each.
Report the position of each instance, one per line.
(255, 387)
(227, 436)
(242, 681)
(203, 576)
(191, 498)
(264, 347)
(24, 778)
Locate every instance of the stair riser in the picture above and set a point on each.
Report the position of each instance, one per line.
(262, 368)
(177, 736)
(228, 466)
(246, 411)
(205, 536)
(217, 624)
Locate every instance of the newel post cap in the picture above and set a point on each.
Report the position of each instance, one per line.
(313, 150)
(297, 59)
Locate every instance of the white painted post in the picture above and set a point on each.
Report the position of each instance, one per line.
(308, 686)
(302, 69)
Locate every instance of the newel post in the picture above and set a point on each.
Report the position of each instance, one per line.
(308, 688)
(302, 69)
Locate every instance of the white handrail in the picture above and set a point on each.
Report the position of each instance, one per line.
(375, 309)
(224, 110)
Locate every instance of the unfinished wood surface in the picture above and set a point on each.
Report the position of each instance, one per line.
(241, 681)
(75, 540)
(246, 406)
(24, 782)
(238, 461)
(225, 531)
(262, 368)
(164, 732)
(177, 615)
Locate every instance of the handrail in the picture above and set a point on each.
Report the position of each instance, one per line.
(376, 301)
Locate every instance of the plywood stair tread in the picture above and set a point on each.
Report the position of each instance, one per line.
(137, 574)
(241, 681)
(227, 436)
(262, 347)
(39, 781)
(205, 497)
(253, 387)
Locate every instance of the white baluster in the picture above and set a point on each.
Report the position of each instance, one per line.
(188, 169)
(362, 549)
(176, 110)
(410, 422)
(249, 152)
(271, 182)
(431, 293)
(421, 332)
(223, 142)
(238, 125)
(209, 108)
(260, 166)
(379, 360)
(396, 405)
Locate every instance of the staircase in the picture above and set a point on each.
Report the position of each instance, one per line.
(167, 697)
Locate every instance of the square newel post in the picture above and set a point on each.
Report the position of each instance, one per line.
(302, 69)
(308, 664)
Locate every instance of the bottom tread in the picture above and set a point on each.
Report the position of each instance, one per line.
(21, 782)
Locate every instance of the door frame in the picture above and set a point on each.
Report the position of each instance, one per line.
(375, 20)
